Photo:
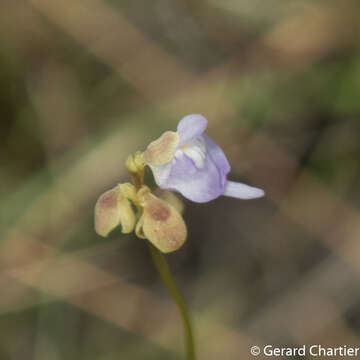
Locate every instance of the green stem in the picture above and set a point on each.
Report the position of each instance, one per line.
(164, 271)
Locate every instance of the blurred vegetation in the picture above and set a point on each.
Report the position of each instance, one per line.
(85, 84)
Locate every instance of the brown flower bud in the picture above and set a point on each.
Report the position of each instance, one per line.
(161, 224)
(113, 209)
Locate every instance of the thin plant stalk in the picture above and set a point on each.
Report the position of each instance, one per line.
(165, 273)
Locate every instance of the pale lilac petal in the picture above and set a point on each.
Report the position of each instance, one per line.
(161, 174)
(218, 157)
(242, 191)
(196, 184)
(190, 127)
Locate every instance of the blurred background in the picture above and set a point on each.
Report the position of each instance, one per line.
(85, 83)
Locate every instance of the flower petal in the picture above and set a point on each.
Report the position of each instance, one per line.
(171, 198)
(196, 184)
(190, 127)
(162, 150)
(161, 174)
(162, 225)
(111, 210)
(195, 150)
(242, 191)
(218, 157)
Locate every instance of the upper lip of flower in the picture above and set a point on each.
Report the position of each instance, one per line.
(191, 163)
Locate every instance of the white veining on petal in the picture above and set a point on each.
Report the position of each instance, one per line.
(195, 150)
(161, 173)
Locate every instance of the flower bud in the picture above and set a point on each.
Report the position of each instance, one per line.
(161, 224)
(113, 209)
(135, 164)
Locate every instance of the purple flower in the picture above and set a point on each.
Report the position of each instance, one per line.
(190, 162)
